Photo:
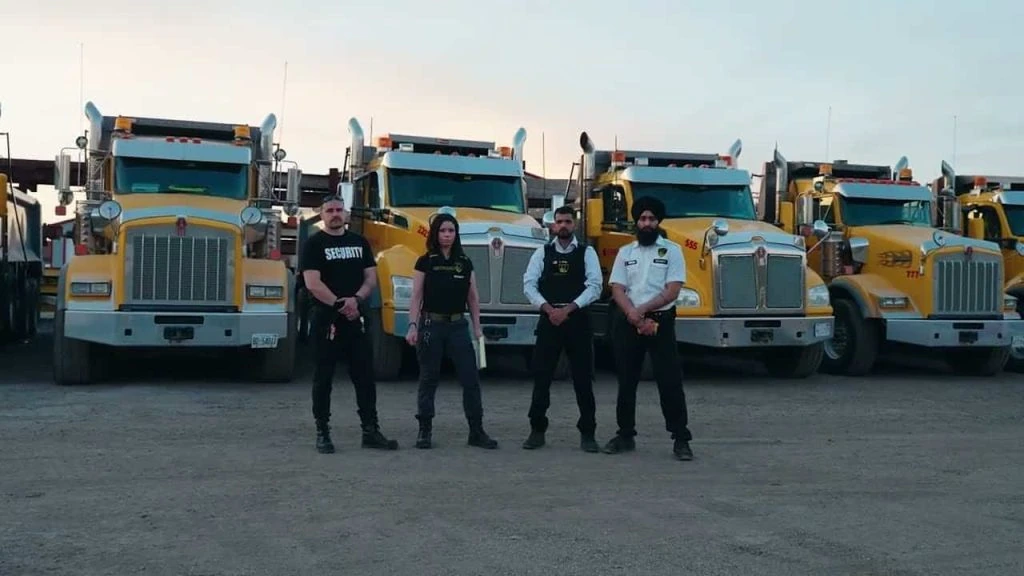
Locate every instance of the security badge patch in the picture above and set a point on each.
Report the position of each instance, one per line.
(662, 251)
(563, 266)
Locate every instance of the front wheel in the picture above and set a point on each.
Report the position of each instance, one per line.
(978, 361)
(854, 345)
(73, 360)
(387, 349)
(796, 361)
(278, 364)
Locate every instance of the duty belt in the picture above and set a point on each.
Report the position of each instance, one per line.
(435, 317)
(661, 314)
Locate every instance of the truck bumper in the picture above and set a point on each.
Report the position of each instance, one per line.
(499, 329)
(953, 333)
(178, 329)
(754, 332)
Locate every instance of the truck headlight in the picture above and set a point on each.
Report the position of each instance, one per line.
(817, 296)
(90, 288)
(688, 298)
(261, 291)
(401, 289)
(1009, 302)
(893, 302)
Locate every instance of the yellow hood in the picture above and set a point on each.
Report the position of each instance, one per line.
(904, 237)
(196, 201)
(471, 215)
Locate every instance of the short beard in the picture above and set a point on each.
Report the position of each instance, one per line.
(647, 236)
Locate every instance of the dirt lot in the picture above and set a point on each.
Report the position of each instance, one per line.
(909, 472)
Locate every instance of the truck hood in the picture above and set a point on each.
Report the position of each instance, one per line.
(740, 231)
(138, 206)
(915, 238)
(473, 221)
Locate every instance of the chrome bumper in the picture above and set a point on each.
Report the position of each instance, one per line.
(953, 333)
(499, 329)
(176, 329)
(754, 332)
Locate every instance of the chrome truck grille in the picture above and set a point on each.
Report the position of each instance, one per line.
(745, 286)
(162, 268)
(971, 285)
(504, 274)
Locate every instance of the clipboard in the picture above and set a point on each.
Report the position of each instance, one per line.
(480, 349)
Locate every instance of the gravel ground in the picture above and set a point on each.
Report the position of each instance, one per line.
(909, 472)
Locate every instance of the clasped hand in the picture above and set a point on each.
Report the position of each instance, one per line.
(557, 315)
(348, 307)
(644, 326)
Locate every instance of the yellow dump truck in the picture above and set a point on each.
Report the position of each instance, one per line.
(402, 181)
(894, 278)
(176, 245)
(748, 289)
(993, 210)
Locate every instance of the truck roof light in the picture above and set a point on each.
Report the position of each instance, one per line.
(384, 142)
(505, 151)
(825, 170)
(242, 133)
(618, 157)
(123, 124)
(405, 147)
(980, 181)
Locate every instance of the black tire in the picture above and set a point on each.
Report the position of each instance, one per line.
(278, 365)
(387, 349)
(795, 362)
(857, 349)
(73, 360)
(978, 361)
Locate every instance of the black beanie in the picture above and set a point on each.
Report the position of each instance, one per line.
(644, 203)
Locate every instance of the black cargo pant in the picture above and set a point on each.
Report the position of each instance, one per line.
(629, 347)
(436, 338)
(575, 336)
(351, 342)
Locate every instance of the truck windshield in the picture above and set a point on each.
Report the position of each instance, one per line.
(157, 176)
(1015, 218)
(695, 201)
(876, 212)
(410, 188)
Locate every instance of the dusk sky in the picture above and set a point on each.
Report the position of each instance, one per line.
(664, 75)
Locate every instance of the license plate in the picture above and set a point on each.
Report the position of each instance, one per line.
(495, 332)
(179, 333)
(1018, 341)
(822, 330)
(762, 336)
(264, 340)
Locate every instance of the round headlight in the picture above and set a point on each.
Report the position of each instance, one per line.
(251, 215)
(109, 209)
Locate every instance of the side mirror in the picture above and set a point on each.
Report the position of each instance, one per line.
(557, 201)
(720, 227)
(62, 174)
(548, 220)
(293, 191)
(820, 229)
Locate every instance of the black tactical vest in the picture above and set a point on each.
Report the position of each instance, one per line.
(564, 276)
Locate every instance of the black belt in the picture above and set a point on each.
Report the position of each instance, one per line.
(435, 317)
(661, 314)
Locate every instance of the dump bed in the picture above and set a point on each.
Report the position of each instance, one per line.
(22, 229)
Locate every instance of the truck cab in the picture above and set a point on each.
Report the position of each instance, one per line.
(748, 290)
(176, 245)
(894, 278)
(399, 184)
(992, 209)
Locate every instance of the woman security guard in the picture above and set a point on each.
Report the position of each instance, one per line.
(444, 285)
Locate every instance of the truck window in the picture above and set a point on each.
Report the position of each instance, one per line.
(876, 212)
(1015, 219)
(694, 201)
(157, 176)
(415, 188)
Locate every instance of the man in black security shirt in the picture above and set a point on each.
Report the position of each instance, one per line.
(562, 279)
(340, 272)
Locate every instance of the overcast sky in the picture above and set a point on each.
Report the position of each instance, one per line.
(666, 75)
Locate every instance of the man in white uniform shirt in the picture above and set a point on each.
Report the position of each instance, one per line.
(562, 279)
(645, 279)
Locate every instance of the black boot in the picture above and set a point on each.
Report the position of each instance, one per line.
(423, 439)
(681, 449)
(534, 440)
(479, 438)
(588, 443)
(372, 438)
(323, 438)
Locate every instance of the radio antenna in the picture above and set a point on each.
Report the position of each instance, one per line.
(828, 134)
(954, 140)
(284, 91)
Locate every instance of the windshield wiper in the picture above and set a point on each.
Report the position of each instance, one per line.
(188, 189)
(884, 222)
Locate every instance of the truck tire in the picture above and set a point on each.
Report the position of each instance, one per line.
(73, 362)
(795, 361)
(854, 345)
(1015, 363)
(387, 349)
(26, 309)
(278, 365)
(978, 361)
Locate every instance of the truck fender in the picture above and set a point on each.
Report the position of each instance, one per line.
(845, 288)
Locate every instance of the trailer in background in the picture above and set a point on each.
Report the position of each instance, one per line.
(21, 263)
